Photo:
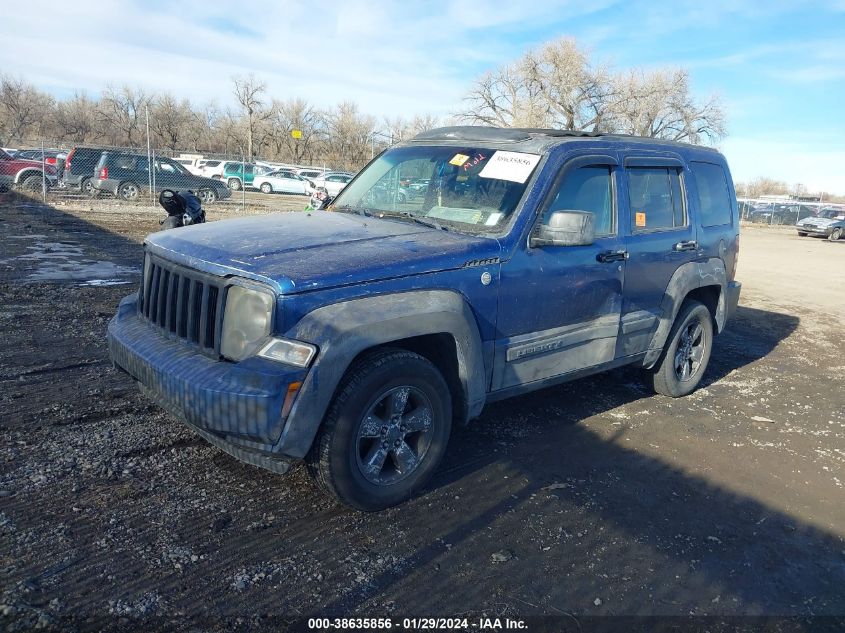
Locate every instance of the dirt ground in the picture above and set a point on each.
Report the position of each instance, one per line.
(592, 498)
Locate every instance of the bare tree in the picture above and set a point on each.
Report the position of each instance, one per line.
(122, 111)
(350, 135)
(75, 120)
(249, 91)
(762, 186)
(169, 121)
(295, 114)
(558, 85)
(554, 86)
(23, 109)
(399, 129)
(659, 104)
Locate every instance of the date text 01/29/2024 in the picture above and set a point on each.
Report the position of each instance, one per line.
(416, 624)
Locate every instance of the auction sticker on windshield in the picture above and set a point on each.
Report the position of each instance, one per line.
(513, 166)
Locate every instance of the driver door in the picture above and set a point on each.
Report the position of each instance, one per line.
(560, 306)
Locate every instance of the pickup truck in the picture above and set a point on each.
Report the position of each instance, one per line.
(25, 174)
(355, 338)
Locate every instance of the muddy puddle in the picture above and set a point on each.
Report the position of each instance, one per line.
(66, 261)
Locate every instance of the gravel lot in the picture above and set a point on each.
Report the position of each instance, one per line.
(591, 498)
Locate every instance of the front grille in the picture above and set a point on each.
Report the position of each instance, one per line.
(183, 303)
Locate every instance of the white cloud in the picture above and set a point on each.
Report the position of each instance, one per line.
(390, 57)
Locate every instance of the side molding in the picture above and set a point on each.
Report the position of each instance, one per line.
(344, 330)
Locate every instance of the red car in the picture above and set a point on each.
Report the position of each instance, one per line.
(24, 173)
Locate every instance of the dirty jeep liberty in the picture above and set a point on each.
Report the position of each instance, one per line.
(354, 338)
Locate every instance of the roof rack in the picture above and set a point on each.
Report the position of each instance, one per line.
(483, 133)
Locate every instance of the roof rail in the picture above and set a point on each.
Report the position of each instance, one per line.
(484, 133)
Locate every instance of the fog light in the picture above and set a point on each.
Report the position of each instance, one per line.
(289, 352)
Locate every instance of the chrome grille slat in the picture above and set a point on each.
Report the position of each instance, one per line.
(183, 303)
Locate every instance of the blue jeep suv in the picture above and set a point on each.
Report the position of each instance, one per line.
(354, 338)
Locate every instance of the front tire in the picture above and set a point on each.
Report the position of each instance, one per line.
(835, 234)
(686, 353)
(385, 431)
(801, 234)
(207, 196)
(234, 184)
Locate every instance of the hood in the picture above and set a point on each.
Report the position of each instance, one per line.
(298, 251)
(819, 222)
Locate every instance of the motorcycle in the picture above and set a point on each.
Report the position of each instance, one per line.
(183, 209)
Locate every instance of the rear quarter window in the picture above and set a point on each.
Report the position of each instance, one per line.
(714, 199)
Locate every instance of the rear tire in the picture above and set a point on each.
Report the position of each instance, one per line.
(385, 431)
(686, 352)
(266, 188)
(32, 183)
(87, 187)
(234, 184)
(207, 196)
(835, 234)
(801, 234)
(128, 191)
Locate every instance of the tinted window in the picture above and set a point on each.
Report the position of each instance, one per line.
(211, 163)
(131, 163)
(656, 200)
(587, 189)
(714, 200)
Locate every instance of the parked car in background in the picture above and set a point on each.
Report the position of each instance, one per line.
(774, 213)
(311, 172)
(193, 165)
(833, 228)
(212, 168)
(54, 157)
(281, 181)
(127, 176)
(26, 174)
(333, 182)
(79, 168)
(237, 174)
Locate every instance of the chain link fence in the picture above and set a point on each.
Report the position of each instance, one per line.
(784, 211)
(109, 175)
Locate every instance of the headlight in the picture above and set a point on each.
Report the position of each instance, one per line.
(246, 322)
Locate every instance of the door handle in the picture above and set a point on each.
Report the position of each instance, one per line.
(612, 256)
(687, 245)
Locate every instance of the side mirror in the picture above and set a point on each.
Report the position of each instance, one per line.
(566, 228)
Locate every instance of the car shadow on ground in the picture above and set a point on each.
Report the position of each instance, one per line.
(527, 462)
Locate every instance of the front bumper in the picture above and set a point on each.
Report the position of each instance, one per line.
(815, 230)
(235, 406)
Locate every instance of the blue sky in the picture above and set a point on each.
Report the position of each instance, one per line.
(778, 66)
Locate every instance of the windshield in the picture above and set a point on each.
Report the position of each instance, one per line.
(468, 188)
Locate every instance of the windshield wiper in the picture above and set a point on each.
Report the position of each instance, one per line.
(429, 223)
(350, 209)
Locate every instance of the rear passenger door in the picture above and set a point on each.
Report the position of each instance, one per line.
(717, 213)
(660, 237)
